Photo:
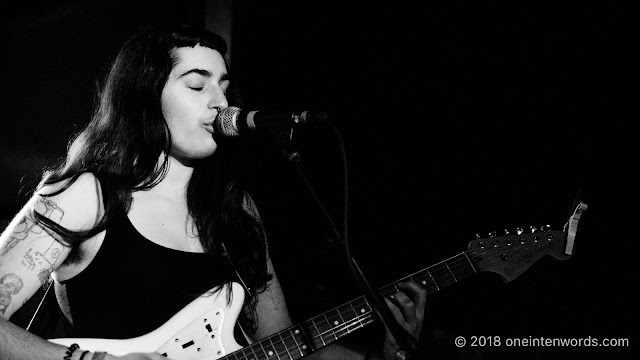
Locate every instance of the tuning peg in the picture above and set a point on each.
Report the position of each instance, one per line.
(545, 228)
(506, 231)
(533, 229)
(492, 234)
(519, 231)
(477, 236)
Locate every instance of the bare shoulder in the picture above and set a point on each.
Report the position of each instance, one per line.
(75, 205)
(29, 251)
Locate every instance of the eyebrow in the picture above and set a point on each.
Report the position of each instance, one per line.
(205, 73)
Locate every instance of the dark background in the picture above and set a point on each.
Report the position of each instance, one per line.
(457, 118)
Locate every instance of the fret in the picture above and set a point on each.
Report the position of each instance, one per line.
(395, 287)
(286, 347)
(291, 344)
(442, 276)
(330, 327)
(462, 267)
(253, 351)
(302, 341)
(332, 317)
(263, 350)
(433, 280)
(314, 333)
(274, 347)
(300, 348)
(342, 321)
(357, 315)
(466, 256)
(319, 333)
(350, 319)
(452, 274)
(426, 280)
(348, 311)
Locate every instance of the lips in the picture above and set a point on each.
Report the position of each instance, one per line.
(209, 127)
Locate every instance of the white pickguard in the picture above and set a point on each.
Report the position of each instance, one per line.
(201, 330)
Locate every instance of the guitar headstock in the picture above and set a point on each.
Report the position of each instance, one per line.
(512, 254)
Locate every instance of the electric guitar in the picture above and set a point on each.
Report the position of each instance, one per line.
(204, 328)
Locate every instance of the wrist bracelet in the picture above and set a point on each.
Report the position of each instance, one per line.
(99, 356)
(70, 350)
(83, 354)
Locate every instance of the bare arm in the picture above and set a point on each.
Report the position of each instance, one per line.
(30, 253)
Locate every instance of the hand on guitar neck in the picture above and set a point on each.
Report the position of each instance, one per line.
(408, 308)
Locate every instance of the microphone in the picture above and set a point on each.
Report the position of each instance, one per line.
(234, 121)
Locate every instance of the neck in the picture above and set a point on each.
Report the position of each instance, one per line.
(174, 184)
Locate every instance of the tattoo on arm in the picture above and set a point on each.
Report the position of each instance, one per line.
(10, 284)
(45, 261)
(28, 225)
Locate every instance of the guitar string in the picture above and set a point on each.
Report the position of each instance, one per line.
(358, 322)
(355, 323)
(436, 272)
(491, 257)
(348, 326)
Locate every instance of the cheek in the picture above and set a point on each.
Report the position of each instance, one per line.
(180, 114)
(189, 138)
(172, 109)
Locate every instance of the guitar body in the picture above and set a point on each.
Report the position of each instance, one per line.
(201, 330)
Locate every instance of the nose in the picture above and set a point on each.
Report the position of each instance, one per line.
(218, 99)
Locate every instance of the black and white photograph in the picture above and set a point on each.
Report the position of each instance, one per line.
(235, 180)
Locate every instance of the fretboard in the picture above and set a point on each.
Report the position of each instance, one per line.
(317, 332)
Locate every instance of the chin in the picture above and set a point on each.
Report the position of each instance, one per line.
(190, 155)
(206, 152)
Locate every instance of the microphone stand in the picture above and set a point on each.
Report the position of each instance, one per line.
(407, 344)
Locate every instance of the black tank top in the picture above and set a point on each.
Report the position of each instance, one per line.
(134, 285)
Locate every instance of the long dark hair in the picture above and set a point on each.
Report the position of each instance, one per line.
(127, 135)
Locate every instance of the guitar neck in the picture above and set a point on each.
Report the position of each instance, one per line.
(317, 332)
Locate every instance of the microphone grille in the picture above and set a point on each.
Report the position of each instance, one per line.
(226, 121)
